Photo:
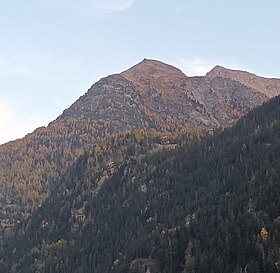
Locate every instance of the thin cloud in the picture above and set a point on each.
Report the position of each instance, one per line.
(199, 66)
(111, 6)
(13, 125)
(196, 66)
(92, 7)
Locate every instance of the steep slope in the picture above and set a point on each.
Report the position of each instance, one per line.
(209, 205)
(150, 95)
(30, 165)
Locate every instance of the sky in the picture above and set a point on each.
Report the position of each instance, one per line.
(52, 51)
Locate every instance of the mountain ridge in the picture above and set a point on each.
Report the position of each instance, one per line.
(266, 86)
(150, 100)
(217, 71)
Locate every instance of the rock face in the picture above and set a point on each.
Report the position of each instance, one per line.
(144, 266)
(150, 95)
(218, 99)
(268, 87)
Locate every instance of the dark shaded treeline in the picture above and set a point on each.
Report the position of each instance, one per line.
(197, 206)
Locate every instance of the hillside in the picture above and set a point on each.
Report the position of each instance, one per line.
(193, 204)
(150, 96)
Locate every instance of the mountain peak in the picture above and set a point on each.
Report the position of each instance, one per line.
(158, 77)
(149, 68)
(265, 86)
(219, 70)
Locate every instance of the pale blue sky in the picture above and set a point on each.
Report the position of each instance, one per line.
(52, 51)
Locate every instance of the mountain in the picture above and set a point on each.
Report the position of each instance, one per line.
(174, 202)
(268, 87)
(150, 96)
